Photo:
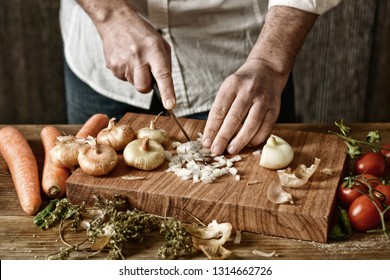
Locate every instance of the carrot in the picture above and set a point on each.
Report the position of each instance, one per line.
(23, 167)
(93, 126)
(53, 177)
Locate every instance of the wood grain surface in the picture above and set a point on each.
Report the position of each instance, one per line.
(20, 239)
(244, 205)
(342, 69)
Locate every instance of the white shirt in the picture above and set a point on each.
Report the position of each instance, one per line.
(210, 39)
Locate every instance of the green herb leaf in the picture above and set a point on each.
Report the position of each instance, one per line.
(341, 228)
(345, 130)
(353, 150)
(373, 137)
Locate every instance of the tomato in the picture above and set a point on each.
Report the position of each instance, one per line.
(363, 214)
(346, 195)
(386, 153)
(372, 163)
(384, 196)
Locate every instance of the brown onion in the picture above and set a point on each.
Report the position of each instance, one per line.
(97, 159)
(65, 152)
(116, 136)
(153, 133)
(144, 154)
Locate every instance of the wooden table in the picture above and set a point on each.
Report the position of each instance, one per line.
(21, 239)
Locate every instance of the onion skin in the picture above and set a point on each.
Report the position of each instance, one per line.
(116, 136)
(144, 154)
(97, 160)
(158, 135)
(65, 155)
(153, 133)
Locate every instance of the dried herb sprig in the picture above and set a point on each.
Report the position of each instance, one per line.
(58, 210)
(176, 240)
(111, 226)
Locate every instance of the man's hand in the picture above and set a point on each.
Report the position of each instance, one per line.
(133, 49)
(248, 102)
(245, 109)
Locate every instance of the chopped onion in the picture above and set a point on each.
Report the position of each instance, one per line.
(253, 182)
(327, 171)
(187, 164)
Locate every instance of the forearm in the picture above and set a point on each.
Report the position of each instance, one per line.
(282, 36)
(108, 14)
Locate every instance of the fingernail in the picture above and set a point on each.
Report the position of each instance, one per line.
(232, 150)
(217, 150)
(169, 104)
(207, 142)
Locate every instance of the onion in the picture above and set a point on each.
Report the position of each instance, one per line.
(65, 152)
(116, 136)
(153, 133)
(144, 154)
(276, 154)
(97, 159)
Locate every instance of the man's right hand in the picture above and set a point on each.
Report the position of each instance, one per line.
(133, 49)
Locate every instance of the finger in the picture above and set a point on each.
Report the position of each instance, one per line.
(160, 66)
(230, 125)
(265, 128)
(165, 85)
(217, 115)
(142, 79)
(248, 129)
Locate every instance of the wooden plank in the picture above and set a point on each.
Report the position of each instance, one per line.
(31, 63)
(21, 240)
(245, 206)
(331, 70)
(378, 93)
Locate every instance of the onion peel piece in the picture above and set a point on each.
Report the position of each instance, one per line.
(209, 239)
(299, 176)
(264, 254)
(215, 252)
(277, 195)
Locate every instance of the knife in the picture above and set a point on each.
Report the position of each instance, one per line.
(173, 116)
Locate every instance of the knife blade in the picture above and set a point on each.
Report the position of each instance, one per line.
(173, 116)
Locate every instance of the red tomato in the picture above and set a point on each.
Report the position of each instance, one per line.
(372, 163)
(363, 214)
(384, 196)
(386, 153)
(347, 195)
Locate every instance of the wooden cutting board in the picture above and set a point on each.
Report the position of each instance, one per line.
(244, 205)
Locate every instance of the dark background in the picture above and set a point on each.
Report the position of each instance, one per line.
(342, 71)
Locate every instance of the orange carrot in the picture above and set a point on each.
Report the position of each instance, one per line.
(93, 126)
(53, 177)
(23, 167)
